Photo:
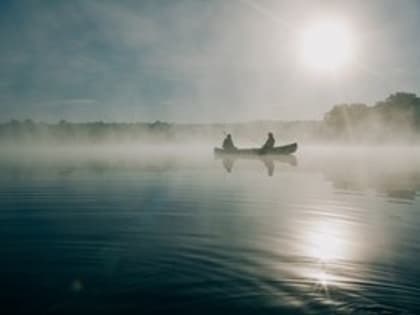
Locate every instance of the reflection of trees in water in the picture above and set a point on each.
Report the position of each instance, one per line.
(400, 186)
(393, 182)
(22, 169)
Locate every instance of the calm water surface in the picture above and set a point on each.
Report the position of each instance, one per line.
(332, 231)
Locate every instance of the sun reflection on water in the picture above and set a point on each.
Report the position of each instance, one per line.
(322, 277)
(328, 243)
(322, 281)
(328, 240)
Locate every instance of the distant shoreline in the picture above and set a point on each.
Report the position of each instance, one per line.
(395, 119)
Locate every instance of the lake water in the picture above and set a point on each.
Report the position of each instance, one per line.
(331, 231)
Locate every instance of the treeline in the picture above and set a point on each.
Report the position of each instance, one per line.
(397, 118)
(28, 131)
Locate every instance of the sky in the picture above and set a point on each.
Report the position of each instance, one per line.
(196, 60)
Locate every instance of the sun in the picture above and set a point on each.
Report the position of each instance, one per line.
(327, 45)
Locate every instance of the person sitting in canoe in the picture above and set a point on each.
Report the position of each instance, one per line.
(269, 144)
(228, 143)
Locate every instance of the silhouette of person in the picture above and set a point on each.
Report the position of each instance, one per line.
(269, 144)
(228, 143)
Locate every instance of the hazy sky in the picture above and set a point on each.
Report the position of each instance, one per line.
(192, 60)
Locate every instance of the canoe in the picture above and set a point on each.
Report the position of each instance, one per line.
(285, 149)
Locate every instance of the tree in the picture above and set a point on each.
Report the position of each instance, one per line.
(343, 119)
(400, 109)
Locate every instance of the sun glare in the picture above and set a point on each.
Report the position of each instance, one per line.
(327, 45)
(325, 240)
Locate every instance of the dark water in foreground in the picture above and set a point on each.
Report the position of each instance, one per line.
(330, 232)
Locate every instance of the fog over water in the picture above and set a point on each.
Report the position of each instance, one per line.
(114, 199)
(111, 229)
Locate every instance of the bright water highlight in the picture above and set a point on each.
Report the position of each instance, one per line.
(331, 231)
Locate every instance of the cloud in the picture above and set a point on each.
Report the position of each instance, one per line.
(180, 60)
